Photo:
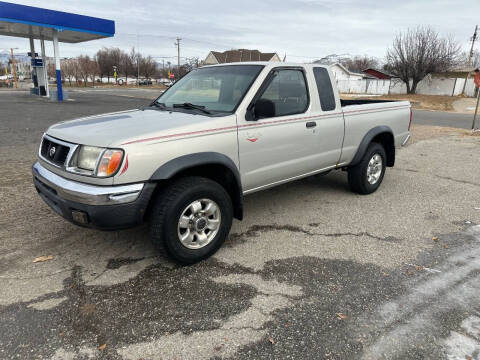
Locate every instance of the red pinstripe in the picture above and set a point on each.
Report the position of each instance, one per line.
(263, 123)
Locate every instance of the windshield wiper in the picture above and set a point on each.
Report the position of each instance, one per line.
(159, 105)
(192, 106)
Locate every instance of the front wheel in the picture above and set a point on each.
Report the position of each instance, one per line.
(191, 219)
(367, 175)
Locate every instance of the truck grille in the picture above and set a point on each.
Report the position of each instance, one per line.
(54, 152)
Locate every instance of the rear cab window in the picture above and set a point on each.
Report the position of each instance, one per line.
(325, 89)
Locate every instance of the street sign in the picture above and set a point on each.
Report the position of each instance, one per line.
(37, 62)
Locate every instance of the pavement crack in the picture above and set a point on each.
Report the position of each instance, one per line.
(458, 180)
(254, 231)
(360, 234)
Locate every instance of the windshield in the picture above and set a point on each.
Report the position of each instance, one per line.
(216, 88)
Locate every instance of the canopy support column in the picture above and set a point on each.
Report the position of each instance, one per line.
(32, 56)
(56, 54)
(45, 67)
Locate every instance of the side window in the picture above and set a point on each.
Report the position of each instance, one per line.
(286, 94)
(325, 90)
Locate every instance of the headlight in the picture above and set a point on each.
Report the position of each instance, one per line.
(96, 161)
(87, 157)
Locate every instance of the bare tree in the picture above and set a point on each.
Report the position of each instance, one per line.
(106, 60)
(476, 59)
(68, 69)
(419, 52)
(148, 67)
(93, 69)
(126, 65)
(51, 71)
(116, 54)
(360, 63)
(84, 67)
(190, 64)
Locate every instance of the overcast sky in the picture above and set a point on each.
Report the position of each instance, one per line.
(303, 29)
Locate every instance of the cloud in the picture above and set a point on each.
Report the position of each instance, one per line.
(303, 29)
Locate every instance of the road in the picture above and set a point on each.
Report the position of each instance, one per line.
(443, 118)
(312, 272)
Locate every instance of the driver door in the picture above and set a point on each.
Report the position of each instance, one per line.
(276, 138)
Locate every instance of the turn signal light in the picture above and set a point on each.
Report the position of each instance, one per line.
(110, 163)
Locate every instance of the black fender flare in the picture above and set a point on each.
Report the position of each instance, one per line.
(367, 139)
(177, 165)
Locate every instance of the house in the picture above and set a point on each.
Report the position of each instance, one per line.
(378, 74)
(239, 55)
(342, 73)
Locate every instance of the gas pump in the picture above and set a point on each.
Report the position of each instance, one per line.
(41, 77)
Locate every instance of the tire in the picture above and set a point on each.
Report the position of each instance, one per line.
(194, 199)
(358, 177)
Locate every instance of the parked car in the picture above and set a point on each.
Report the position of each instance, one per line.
(166, 82)
(185, 162)
(145, 82)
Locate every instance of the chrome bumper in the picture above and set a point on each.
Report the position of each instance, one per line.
(84, 193)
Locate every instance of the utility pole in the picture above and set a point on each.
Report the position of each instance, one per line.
(476, 111)
(14, 70)
(178, 54)
(474, 37)
(470, 55)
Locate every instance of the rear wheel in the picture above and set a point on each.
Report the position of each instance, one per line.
(367, 175)
(191, 219)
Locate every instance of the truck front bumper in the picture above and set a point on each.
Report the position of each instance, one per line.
(100, 207)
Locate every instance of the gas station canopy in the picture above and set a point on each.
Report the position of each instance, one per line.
(37, 23)
(44, 24)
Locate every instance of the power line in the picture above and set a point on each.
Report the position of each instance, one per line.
(174, 38)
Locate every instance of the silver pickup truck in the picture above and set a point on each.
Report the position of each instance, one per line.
(185, 161)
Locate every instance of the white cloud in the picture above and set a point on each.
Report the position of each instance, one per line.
(303, 29)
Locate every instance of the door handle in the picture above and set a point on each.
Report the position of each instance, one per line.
(311, 124)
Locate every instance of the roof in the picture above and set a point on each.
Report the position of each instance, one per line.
(350, 72)
(240, 55)
(28, 21)
(370, 70)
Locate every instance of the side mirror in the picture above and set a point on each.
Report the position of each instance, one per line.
(263, 108)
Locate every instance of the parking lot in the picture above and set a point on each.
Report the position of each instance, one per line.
(312, 272)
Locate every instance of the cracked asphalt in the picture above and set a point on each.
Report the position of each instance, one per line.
(313, 272)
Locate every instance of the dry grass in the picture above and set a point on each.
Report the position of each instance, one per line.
(425, 102)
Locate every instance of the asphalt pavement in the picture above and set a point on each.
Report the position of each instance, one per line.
(312, 272)
(443, 118)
